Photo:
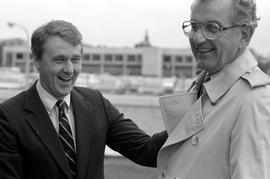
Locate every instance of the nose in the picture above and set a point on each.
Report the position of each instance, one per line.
(68, 68)
(199, 37)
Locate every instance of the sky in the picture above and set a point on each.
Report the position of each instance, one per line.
(119, 23)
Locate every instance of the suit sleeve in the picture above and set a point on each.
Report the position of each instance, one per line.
(125, 137)
(250, 140)
(10, 158)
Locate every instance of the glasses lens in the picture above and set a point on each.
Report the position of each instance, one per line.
(189, 28)
(211, 30)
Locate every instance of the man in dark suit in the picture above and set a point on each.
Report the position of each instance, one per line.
(54, 130)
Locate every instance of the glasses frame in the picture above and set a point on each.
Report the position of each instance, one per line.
(221, 29)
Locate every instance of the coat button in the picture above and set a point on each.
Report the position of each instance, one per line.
(164, 173)
(248, 72)
(194, 140)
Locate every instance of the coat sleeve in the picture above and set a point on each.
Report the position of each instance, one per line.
(10, 158)
(125, 137)
(250, 139)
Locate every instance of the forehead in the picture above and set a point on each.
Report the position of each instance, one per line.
(212, 10)
(56, 45)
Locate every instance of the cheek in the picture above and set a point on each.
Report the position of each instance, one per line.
(227, 51)
(49, 74)
(77, 68)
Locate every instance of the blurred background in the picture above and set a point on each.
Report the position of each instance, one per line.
(134, 52)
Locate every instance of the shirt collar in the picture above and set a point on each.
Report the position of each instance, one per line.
(48, 100)
(221, 82)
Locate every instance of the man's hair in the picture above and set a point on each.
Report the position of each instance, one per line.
(244, 13)
(63, 29)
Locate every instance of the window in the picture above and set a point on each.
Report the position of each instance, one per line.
(167, 58)
(96, 57)
(139, 58)
(131, 58)
(9, 59)
(119, 57)
(178, 59)
(19, 55)
(189, 59)
(108, 57)
(86, 57)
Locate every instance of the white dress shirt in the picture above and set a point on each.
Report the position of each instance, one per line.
(50, 104)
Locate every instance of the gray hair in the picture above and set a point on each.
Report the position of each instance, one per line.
(244, 13)
(63, 29)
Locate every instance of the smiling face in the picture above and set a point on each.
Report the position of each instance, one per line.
(213, 55)
(59, 66)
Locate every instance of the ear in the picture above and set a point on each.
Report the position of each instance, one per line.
(36, 61)
(247, 32)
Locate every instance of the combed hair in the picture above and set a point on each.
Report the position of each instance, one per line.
(63, 29)
(244, 13)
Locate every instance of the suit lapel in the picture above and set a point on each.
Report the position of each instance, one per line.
(41, 124)
(83, 117)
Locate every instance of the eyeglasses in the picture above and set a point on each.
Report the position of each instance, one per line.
(210, 30)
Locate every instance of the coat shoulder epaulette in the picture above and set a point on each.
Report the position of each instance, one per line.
(256, 77)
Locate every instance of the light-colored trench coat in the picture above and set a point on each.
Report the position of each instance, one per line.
(225, 134)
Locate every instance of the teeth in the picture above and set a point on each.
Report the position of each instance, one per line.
(204, 50)
(65, 79)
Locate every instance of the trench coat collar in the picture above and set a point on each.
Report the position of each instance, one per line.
(223, 81)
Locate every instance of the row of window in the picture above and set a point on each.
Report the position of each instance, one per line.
(96, 57)
(171, 64)
(177, 59)
(110, 57)
(130, 58)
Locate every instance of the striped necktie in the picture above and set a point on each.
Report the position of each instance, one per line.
(66, 137)
(200, 88)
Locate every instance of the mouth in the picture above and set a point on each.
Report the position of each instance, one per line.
(204, 50)
(65, 79)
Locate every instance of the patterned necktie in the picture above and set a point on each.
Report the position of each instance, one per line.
(66, 138)
(200, 87)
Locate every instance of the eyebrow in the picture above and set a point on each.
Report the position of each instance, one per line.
(60, 55)
(65, 56)
(215, 21)
(209, 21)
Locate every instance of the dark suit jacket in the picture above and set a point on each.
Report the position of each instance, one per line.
(29, 145)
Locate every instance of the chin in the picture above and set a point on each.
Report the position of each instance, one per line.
(203, 65)
(63, 92)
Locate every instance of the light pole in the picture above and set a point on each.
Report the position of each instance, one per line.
(27, 61)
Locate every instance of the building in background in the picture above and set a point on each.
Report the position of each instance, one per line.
(142, 60)
(10, 42)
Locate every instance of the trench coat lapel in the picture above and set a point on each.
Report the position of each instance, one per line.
(190, 124)
(173, 108)
(83, 117)
(39, 121)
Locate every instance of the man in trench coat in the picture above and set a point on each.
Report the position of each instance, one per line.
(219, 129)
